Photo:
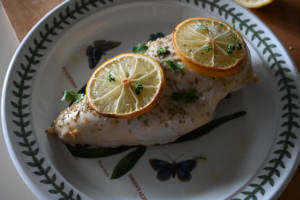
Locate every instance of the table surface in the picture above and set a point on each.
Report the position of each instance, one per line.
(282, 17)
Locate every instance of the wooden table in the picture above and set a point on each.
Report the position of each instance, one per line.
(282, 16)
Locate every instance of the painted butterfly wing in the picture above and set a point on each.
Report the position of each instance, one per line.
(156, 36)
(160, 164)
(103, 45)
(164, 175)
(183, 169)
(164, 169)
(183, 176)
(95, 52)
(94, 56)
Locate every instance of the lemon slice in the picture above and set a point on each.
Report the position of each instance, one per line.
(254, 3)
(125, 86)
(202, 44)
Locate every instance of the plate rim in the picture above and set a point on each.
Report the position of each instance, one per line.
(34, 188)
(8, 140)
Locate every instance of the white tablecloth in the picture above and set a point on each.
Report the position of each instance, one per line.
(12, 186)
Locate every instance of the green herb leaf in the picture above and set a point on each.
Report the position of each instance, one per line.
(72, 96)
(191, 96)
(138, 88)
(187, 97)
(230, 48)
(174, 66)
(99, 152)
(162, 51)
(207, 47)
(201, 27)
(109, 78)
(128, 162)
(232, 25)
(239, 46)
(222, 25)
(140, 48)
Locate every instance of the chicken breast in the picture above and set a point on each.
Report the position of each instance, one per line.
(167, 121)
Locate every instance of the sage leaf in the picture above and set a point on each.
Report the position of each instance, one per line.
(98, 152)
(128, 162)
(203, 130)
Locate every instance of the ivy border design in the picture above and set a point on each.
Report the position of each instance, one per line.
(286, 86)
(30, 149)
(81, 7)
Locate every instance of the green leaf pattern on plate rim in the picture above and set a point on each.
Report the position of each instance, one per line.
(82, 7)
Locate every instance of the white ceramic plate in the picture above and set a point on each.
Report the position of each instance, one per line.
(252, 157)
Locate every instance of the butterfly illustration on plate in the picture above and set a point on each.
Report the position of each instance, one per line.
(166, 169)
(100, 47)
(156, 36)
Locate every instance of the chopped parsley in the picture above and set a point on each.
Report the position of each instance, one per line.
(231, 47)
(201, 27)
(232, 25)
(109, 78)
(72, 96)
(174, 66)
(239, 46)
(187, 97)
(140, 48)
(138, 88)
(222, 25)
(162, 51)
(207, 47)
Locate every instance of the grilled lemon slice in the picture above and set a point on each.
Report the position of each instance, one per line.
(209, 46)
(125, 86)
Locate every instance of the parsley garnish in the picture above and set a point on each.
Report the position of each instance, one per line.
(72, 96)
(174, 66)
(239, 46)
(232, 25)
(162, 51)
(231, 47)
(187, 97)
(201, 27)
(222, 25)
(109, 78)
(140, 48)
(138, 88)
(207, 47)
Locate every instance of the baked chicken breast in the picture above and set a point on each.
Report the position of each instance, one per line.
(167, 121)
